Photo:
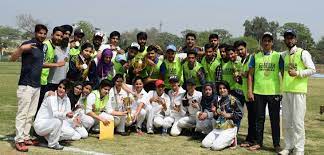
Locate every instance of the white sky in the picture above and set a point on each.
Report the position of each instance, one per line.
(176, 15)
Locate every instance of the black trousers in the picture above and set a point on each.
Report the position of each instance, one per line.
(251, 136)
(273, 102)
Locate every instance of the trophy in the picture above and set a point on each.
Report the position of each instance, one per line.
(138, 63)
(127, 105)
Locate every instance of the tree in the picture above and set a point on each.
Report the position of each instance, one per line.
(223, 34)
(304, 36)
(27, 22)
(258, 25)
(87, 28)
(9, 32)
(318, 52)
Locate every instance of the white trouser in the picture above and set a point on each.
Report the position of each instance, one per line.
(163, 121)
(140, 118)
(218, 139)
(293, 115)
(175, 129)
(119, 121)
(70, 133)
(204, 126)
(50, 129)
(184, 122)
(87, 121)
(27, 105)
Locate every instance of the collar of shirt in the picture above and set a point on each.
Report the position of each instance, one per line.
(82, 58)
(293, 50)
(267, 52)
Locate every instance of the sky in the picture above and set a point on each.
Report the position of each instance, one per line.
(175, 15)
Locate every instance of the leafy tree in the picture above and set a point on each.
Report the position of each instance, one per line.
(87, 28)
(258, 25)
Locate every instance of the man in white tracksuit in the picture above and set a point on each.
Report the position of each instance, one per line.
(177, 110)
(191, 103)
(51, 117)
(158, 106)
(298, 67)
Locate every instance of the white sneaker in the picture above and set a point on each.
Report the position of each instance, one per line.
(285, 152)
(150, 131)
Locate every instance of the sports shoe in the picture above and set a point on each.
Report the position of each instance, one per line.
(150, 131)
(20, 146)
(57, 147)
(285, 152)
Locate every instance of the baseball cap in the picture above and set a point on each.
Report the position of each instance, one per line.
(173, 79)
(120, 57)
(99, 34)
(79, 32)
(135, 45)
(171, 47)
(159, 83)
(267, 34)
(290, 32)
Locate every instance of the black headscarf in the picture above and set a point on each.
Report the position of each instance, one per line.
(74, 98)
(207, 101)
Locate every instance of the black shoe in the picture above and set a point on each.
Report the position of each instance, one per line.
(277, 149)
(123, 133)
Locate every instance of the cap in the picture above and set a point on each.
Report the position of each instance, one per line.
(267, 34)
(173, 79)
(159, 83)
(135, 45)
(290, 32)
(120, 57)
(171, 47)
(190, 82)
(99, 34)
(79, 32)
(67, 28)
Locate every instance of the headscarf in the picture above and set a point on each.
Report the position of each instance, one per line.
(104, 68)
(206, 101)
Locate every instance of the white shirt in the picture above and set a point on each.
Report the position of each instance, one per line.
(137, 101)
(54, 107)
(91, 100)
(164, 96)
(176, 99)
(307, 60)
(197, 95)
(116, 100)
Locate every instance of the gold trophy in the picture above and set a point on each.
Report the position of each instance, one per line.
(138, 63)
(127, 105)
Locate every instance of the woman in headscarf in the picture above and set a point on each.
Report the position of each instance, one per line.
(227, 113)
(101, 68)
(205, 116)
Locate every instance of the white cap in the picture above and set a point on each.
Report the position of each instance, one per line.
(100, 34)
(135, 45)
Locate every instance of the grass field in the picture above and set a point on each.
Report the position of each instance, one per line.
(154, 144)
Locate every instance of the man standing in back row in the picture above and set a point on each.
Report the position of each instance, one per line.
(264, 69)
(298, 67)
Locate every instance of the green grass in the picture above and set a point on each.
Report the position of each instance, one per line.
(155, 144)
